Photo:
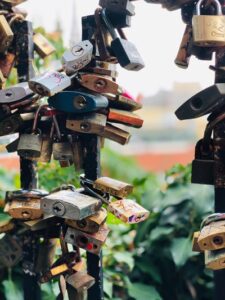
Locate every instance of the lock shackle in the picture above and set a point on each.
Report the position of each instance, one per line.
(216, 2)
(36, 116)
(212, 218)
(108, 24)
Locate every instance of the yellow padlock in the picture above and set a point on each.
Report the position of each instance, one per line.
(209, 30)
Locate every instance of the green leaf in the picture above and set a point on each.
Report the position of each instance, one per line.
(160, 232)
(108, 288)
(141, 291)
(125, 257)
(12, 290)
(181, 250)
(149, 269)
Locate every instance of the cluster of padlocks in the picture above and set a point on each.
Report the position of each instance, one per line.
(82, 99)
(204, 36)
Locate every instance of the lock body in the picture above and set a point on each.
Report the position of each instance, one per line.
(215, 260)
(42, 46)
(128, 211)
(70, 205)
(80, 281)
(77, 102)
(89, 242)
(113, 187)
(49, 83)
(90, 124)
(6, 34)
(90, 224)
(124, 117)
(15, 93)
(24, 210)
(77, 57)
(29, 145)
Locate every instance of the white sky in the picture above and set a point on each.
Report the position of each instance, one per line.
(155, 31)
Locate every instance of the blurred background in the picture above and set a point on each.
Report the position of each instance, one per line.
(154, 260)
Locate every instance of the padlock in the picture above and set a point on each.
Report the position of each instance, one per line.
(10, 251)
(62, 151)
(6, 34)
(15, 93)
(7, 63)
(24, 210)
(70, 205)
(43, 223)
(212, 236)
(203, 164)
(90, 224)
(78, 102)
(215, 260)
(195, 246)
(119, 7)
(209, 30)
(126, 52)
(25, 194)
(170, 4)
(99, 84)
(29, 145)
(89, 242)
(13, 2)
(49, 83)
(128, 211)
(78, 155)
(68, 262)
(122, 102)
(184, 53)
(77, 57)
(119, 20)
(115, 134)
(46, 149)
(42, 46)
(80, 281)
(2, 81)
(7, 226)
(113, 187)
(89, 124)
(203, 103)
(46, 255)
(103, 68)
(124, 117)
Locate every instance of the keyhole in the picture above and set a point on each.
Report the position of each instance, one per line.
(8, 94)
(218, 240)
(100, 84)
(196, 103)
(59, 209)
(78, 50)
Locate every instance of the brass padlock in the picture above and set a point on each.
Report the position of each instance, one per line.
(215, 260)
(6, 34)
(90, 224)
(90, 124)
(43, 47)
(209, 30)
(113, 187)
(70, 205)
(62, 152)
(212, 236)
(89, 242)
(115, 134)
(80, 281)
(128, 211)
(24, 210)
(46, 149)
(124, 117)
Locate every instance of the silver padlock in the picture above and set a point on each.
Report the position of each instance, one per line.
(70, 205)
(49, 83)
(15, 93)
(62, 151)
(77, 57)
(29, 145)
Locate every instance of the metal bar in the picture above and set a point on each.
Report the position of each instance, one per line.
(92, 145)
(219, 276)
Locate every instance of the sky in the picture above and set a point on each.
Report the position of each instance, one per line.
(155, 31)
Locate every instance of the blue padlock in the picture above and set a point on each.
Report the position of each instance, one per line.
(77, 102)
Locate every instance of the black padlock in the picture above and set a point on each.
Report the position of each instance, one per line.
(118, 6)
(125, 51)
(203, 164)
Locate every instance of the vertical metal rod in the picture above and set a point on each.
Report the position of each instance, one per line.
(219, 276)
(92, 144)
